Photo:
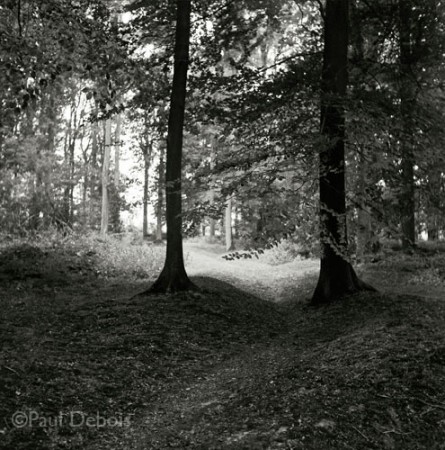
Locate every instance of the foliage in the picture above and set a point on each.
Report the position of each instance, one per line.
(52, 256)
(116, 258)
(252, 111)
(285, 251)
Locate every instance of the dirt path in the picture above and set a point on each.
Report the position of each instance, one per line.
(273, 283)
(227, 406)
(195, 414)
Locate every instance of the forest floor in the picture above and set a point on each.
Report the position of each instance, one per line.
(89, 362)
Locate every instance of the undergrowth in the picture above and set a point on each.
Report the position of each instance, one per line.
(53, 254)
(285, 251)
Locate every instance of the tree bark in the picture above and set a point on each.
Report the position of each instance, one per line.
(105, 178)
(72, 147)
(433, 203)
(173, 276)
(68, 157)
(212, 190)
(147, 156)
(117, 151)
(93, 167)
(228, 226)
(337, 277)
(160, 202)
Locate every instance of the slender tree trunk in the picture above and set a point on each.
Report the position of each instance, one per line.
(337, 277)
(84, 218)
(228, 226)
(433, 203)
(212, 190)
(160, 202)
(28, 131)
(432, 227)
(93, 167)
(212, 222)
(173, 276)
(146, 199)
(72, 147)
(50, 131)
(117, 151)
(407, 107)
(116, 177)
(105, 178)
(236, 223)
(67, 159)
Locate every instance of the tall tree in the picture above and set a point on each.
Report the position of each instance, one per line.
(337, 277)
(173, 276)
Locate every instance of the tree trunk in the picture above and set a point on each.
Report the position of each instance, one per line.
(72, 147)
(212, 227)
(160, 202)
(407, 106)
(117, 151)
(432, 227)
(67, 163)
(116, 177)
(49, 126)
(237, 221)
(105, 178)
(173, 276)
(93, 167)
(212, 190)
(433, 203)
(228, 226)
(146, 199)
(33, 184)
(337, 277)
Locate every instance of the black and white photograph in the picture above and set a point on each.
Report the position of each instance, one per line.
(222, 224)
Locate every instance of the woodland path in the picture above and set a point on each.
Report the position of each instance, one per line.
(285, 282)
(195, 414)
(272, 283)
(256, 396)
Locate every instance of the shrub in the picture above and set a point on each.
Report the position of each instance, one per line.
(107, 256)
(284, 252)
(117, 256)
